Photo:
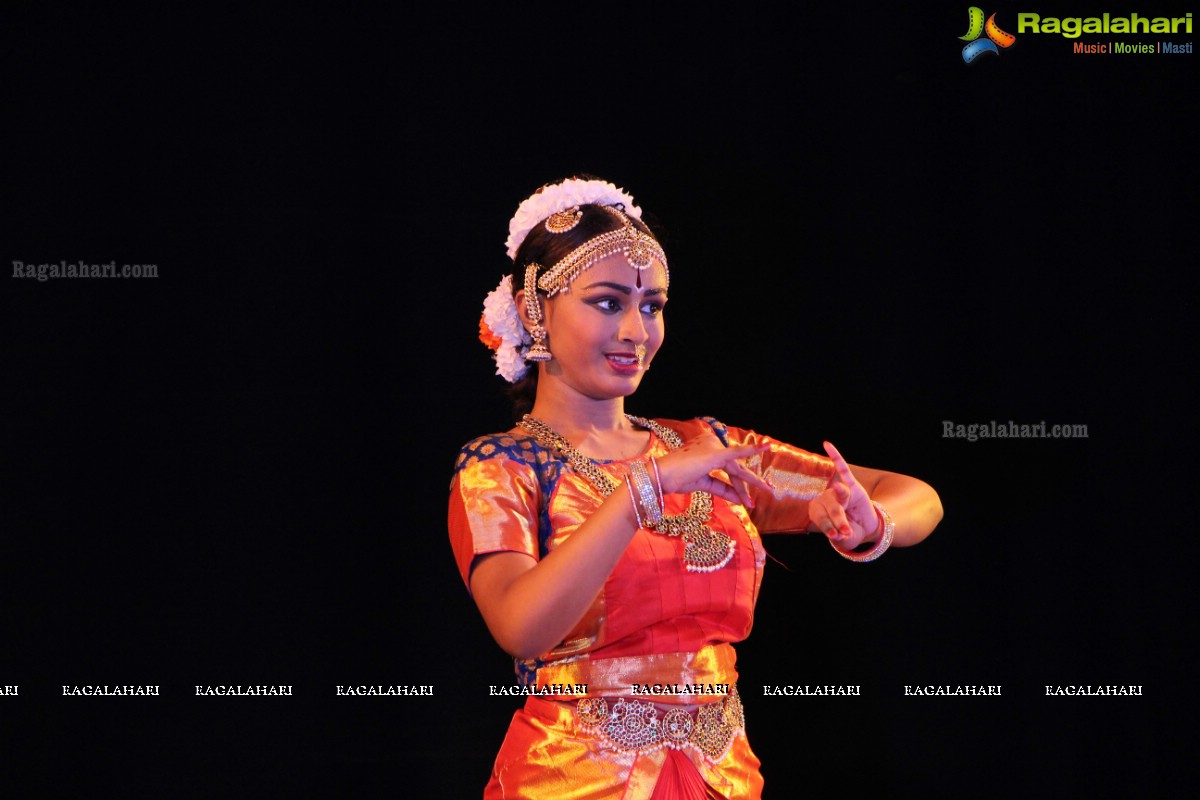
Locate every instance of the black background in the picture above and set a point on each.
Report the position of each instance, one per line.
(236, 473)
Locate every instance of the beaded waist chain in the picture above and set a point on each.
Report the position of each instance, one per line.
(633, 726)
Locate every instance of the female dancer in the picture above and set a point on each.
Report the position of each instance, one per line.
(618, 558)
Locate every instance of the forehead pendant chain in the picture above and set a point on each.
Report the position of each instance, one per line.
(704, 550)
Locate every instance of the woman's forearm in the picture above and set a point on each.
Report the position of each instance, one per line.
(530, 606)
(913, 504)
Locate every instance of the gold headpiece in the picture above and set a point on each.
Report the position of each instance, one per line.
(639, 248)
(563, 221)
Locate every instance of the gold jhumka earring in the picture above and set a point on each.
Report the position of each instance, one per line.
(538, 351)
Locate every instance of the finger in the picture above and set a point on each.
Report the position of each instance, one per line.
(720, 489)
(826, 526)
(743, 490)
(737, 458)
(745, 451)
(818, 515)
(839, 463)
(832, 518)
(749, 476)
(837, 515)
(738, 491)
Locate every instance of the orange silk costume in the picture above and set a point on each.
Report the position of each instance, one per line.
(654, 622)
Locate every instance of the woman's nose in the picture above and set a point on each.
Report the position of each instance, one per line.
(633, 328)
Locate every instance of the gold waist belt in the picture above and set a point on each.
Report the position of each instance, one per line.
(632, 726)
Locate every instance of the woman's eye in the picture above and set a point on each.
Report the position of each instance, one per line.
(607, 304)
(652, 308)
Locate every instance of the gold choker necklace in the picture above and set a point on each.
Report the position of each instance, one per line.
(705, 550)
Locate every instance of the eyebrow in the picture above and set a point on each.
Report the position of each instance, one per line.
(621, 288)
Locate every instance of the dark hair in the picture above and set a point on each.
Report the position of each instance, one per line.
(547, 249)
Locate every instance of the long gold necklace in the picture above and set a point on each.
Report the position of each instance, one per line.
(704, 550)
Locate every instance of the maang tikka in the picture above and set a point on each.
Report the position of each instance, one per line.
(563, 221)
(537, 351)
(639, 248)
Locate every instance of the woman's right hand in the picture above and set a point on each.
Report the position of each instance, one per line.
(689, 469)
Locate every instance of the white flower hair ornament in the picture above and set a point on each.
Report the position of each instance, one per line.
(560, 197)
(500, 329)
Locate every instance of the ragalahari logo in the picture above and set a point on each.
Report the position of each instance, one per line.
(976, 27)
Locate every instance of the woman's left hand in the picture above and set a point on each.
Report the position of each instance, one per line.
(843, 512)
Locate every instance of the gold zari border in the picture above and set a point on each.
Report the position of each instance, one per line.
(711, 664)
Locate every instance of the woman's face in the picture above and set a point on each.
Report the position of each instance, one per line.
(596, 329)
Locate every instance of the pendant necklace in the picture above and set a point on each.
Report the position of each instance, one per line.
(704, 550)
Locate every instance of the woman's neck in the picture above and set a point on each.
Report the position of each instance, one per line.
(598, 428)
(596, 416)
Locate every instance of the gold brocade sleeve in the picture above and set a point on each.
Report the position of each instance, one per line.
(797, 475)
(493, 507)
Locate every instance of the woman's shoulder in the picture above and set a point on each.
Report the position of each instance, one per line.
(515, 445)
(688, 428)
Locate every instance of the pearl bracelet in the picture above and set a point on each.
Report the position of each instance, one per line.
(885, 541)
